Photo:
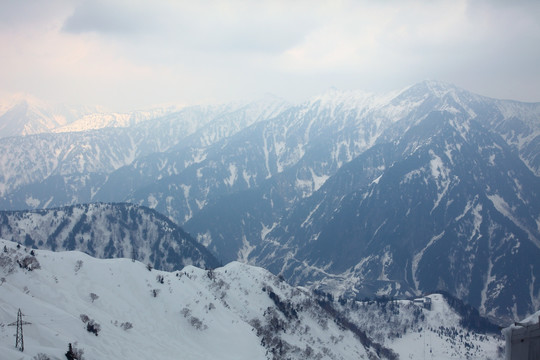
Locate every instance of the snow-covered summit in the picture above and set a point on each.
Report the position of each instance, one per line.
(102, 120)
(24, 114)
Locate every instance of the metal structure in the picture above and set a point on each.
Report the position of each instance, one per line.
(19, 339)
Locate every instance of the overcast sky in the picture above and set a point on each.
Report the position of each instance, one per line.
(134, 54)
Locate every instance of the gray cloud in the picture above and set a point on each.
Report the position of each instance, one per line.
(16, 14)
(107, 17)
(136, 52)
(205, 25)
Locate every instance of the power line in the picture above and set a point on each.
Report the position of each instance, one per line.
(19, 339)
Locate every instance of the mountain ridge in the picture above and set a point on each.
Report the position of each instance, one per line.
(108, 231)
(245, 181)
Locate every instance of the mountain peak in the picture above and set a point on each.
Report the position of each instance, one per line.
(436, 88)
(350, 99)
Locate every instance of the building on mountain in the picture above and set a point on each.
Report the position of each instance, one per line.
(523, 340)
(423, 301)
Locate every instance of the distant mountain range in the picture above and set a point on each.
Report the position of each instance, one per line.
(431, 187)
(22, 115)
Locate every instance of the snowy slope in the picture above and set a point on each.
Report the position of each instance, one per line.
(414, 332)
(195, 314)
(234, 312)
(54, 297)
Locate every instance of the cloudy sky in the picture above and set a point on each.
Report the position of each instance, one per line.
(131, 54)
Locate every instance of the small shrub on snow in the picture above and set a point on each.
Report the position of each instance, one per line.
(78, 265)
(29, 263)
(91, 326)
(197, 323)
(185, 312)
(194, 321)
(74, 353)
(41, 356)
(7, 263)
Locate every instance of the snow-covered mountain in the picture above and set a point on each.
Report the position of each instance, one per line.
(116, 308)
(449, 212)
(102, 120)
(23, 114)
(393, 190)
(49, 170)
(444, 169)
(108, 231)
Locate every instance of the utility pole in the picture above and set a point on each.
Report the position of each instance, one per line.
(19, 340)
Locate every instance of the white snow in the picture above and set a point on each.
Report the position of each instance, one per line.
(430, 342)
(54, 297)
(266, 157)
(475, 234)
(152, 201)
(418, 257)
(424, 333)
(189, 314)
(376, 181)
(247, 177)
(502, 206)
(185, 188)
(32, 202)
(245, 250)
(386, 261)
(308, 220)
(312, 183)
(440, 174)
(448, 153)
(205, 239)
(233, 175)
(489, 279)
(318, 180)
(266, 230)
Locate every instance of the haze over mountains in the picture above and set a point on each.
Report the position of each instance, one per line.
(25, 115)
(427, 188)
